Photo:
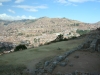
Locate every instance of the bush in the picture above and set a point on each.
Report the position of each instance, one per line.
(20, 47)
(59, 38)
(81, 32)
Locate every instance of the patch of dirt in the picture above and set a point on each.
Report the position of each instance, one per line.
(87, 62)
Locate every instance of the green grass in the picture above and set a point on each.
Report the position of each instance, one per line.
(34, 55)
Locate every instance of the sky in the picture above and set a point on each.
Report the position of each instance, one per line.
(82, 10)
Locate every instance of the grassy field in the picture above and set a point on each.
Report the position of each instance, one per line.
(34, 55)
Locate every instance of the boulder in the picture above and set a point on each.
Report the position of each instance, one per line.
(55, 63)
(46, 63)
(66, 60)
(68, 53)
(63, 64)
(64, 55)
(60, 58)
(53, 66)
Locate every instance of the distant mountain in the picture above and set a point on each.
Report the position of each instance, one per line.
(98, 23)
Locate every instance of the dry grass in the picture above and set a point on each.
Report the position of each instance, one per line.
(32, 56)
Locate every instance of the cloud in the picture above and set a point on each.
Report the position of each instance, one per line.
(4, 1)
(72, 2)
(62, 1)
(31, 8)
(80, 1)
(0, 4)
(8, 17)
(19, 1)
(65, 2)
(1, 1)
(11, 11)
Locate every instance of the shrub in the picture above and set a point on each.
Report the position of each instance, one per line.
(59, 38)
(20, 34)
(20, 47)
(81, 32)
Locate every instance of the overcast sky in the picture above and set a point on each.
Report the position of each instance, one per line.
(82, 10)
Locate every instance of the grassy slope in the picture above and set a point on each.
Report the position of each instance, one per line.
(34, 55)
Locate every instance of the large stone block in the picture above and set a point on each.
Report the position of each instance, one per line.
(63, 64)
(60, 58)
(66, 54)
(55, 63)
(66, 60)
(46, 63)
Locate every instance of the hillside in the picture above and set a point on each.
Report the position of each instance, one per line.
(31, 57)
(34, 59)
(73, 56)
(40, 31)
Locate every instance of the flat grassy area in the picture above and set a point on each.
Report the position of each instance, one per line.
(34, 55)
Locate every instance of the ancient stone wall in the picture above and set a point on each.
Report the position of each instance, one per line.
(92, 43)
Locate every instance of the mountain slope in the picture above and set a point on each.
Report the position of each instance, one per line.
(42, 30)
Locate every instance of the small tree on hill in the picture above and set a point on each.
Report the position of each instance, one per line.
(20, 47)
(59, 38)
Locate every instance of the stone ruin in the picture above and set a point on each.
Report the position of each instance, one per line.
(84, 73)
(92, 44)
(77, 73)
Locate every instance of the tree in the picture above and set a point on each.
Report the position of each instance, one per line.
(20, 47)
(35, 40)
(59, 37)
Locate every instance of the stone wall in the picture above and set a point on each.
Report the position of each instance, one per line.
(92, 43)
